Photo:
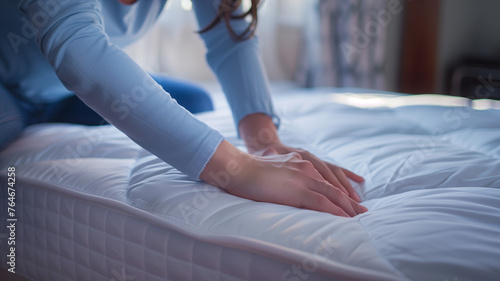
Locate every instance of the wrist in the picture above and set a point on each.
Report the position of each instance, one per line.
(258, 131)
(227, 166)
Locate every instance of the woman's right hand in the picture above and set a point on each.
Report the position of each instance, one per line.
(281, 179)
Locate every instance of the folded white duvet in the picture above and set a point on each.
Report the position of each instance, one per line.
(432, 170)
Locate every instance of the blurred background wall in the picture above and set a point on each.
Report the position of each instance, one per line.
(469, 34)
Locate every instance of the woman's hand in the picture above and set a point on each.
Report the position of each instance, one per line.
(333, 174)
(261, 138)
(283, 179)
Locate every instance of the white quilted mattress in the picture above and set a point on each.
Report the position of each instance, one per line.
(92, 205)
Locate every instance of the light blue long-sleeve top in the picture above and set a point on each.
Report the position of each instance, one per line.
(50, 49)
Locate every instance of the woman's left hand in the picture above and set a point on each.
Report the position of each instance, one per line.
(335, 175)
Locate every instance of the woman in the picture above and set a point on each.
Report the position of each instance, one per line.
(78, 44)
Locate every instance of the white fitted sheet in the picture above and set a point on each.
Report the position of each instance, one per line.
(92, 205)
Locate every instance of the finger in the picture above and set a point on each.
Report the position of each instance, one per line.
(307, 168)
(357, 207)
(325, 171)
(336, 196)
(353, 176)
(339, 172)
(332, 178)
(318, 202)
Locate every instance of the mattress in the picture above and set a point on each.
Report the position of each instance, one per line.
(92, 205)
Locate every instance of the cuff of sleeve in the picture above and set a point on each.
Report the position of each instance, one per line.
(207, 150)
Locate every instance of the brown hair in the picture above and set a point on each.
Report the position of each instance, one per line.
(226, 10)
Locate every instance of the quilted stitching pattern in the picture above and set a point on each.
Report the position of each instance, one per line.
(59, 243)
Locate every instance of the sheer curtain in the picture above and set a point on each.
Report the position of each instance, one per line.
(344, 44)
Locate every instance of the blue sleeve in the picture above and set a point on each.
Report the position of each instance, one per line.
(237, 65)
(107, 80)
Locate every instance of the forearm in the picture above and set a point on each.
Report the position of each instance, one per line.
(238, 65)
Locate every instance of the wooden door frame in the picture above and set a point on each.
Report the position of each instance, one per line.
(419, 54)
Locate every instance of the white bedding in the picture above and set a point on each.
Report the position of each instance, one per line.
(92, 205)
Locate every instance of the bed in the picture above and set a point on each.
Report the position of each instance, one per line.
(92, 205)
